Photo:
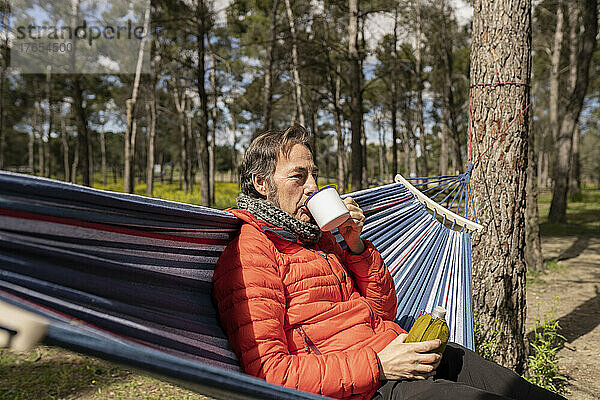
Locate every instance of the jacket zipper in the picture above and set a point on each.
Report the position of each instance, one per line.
(309, 345)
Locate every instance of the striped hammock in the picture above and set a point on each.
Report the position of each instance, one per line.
(128, 278)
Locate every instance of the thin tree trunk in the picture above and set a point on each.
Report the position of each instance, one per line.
(356, 96)
(103, 151)
(191, 174)
(575, 171)
(213, 131)
(75, 164)
(201, 16)
(444, 138)
(128, 179)
(574, 178)
(268, 92)
(48, 135)
(534, 259)
(394, 96)
(65, 149)
(339, 134)
(31, 141)
(420, 88)
(3, 68)
(499, 180)
(151, 139)
(180, 106)
(295, 74)
(572, 110)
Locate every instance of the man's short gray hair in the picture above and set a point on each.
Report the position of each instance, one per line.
(262, 155)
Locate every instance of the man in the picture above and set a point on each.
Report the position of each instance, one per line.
(301, 312)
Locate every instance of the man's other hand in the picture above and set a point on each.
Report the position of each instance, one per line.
(351, 229)
(399, 360)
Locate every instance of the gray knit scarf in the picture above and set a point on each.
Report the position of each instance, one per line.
(308, 232)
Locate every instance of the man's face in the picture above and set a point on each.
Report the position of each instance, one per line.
(294, 180)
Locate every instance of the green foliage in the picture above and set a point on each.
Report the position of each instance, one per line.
(543, 362)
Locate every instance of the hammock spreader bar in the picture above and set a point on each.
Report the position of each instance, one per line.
(137, 273)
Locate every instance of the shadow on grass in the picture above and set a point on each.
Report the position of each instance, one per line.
(575, 249)
(580, 223)
(53, 377)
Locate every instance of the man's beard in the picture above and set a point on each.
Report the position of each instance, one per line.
(273, 197)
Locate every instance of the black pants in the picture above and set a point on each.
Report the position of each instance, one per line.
(464, 375)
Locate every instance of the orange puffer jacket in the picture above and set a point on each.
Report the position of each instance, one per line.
(310, 318)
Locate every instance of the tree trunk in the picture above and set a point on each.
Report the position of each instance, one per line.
(534, 259)
(31, 141)
(444, 138)
(268, 93)
(394, 96)
(356, 96)
(65, 149)
(75, 164)
(151, 139)
(563, 143)
(128, 180)
(295, 74)
(499, 181)
(48, 135)
(575, 172)
(574, 178)
(213, 131)
(3, 67)
(103, 153)
(189, 140)
(339, 134)
(420, 88)
(180, 106)
(201, 13)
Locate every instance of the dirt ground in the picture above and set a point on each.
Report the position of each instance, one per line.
(570, 292)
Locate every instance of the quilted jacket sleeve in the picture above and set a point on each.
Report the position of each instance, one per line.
(373, 279)
(251, 301)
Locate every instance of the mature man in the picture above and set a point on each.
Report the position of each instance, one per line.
(301, 312)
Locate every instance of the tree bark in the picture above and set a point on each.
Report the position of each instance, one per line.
(103, 152)
(499, 181)
(179, 98)
(202, 15)
(574, 178)
(295, 74)
(554, 71)
(575, 171)
(534, 259)
(130, 105)
(420, 88)
(3, 68)
(151, 140)
(356, 96)
(268, 93)
(65, 149)
(213, 131)
(572, 110)
(75, 164)
(394, 96)
(31, 141)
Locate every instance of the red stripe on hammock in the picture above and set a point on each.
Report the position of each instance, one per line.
(110, 228)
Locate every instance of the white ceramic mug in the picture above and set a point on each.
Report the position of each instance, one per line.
(327, 208)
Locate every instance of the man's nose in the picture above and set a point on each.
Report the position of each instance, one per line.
(311, 185)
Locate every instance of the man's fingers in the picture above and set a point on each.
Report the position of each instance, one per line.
(429, 358)
(427, 346)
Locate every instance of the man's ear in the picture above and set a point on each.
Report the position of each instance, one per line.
(260, 184)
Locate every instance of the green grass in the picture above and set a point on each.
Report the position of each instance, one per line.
(583, 216)
(51, 373)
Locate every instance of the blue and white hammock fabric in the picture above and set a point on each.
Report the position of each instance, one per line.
(128, 278)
